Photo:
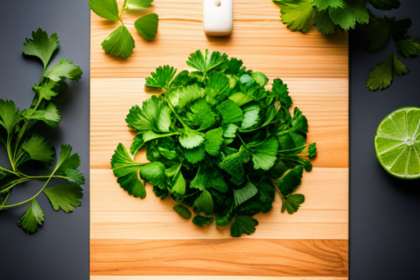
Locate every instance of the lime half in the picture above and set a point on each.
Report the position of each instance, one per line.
(397, 143)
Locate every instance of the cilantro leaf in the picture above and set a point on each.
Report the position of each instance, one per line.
(381, 76)
(195, 155)
(9, 115)
(191, 139)
(119, 43)
(323, 23)
(51, 116)
(180, 186)
(39, 149)
(292, 203)
(107, 9)
(182, 211)
(298, 15)
(46, 91)
(385, 5)
(350, 14)
(186, 95)
(312, 150)
(281, 93)
(290, 180)
(260, 78)
(233, 165)
(243, 225)
(245, 193)
(126, 169)
(213, 141)
(264, 155)
(147, 26)
(325, 4)
(409, 47)
(251, 116)
(203, 204)
(376, 33)
(153, 173)
(41, 46)
(207, 62)
(201, 221)
(231, 113)
(138, 4)
(65, 70)
(65, 197)
(154, 115)
(32, 218)
(162, 77)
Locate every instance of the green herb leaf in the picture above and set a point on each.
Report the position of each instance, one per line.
(207, 62)
(65, 70)
(182, 211)
(201, 221)
(9, 115)
(39, 149)
(119, 43)
(107, 9)
(203, 204)
(264, 155)
(409, 47)
(41, 46)
(245, 193)
(298, 15)
(213, 141)
(323, 23)
(65, 197)
(381, 76)
(292, 203)
(32, 218)
(162, 77)
(325, 4)
(138, 4)
(147, 26)
(243, 225)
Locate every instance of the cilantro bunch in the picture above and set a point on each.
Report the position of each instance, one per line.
(219, 143)
(330, 15)
(21, 134)
(120, 43)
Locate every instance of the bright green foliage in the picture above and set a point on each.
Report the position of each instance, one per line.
(184, 212)
(41, 46)
(292, 203)
(65, 197)
(24, 141)
(120, 43)
(147, 26)
(32, 218)
(329, 15)
(381, 76)
(218, 141)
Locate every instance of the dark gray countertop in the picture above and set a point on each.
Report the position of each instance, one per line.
(60, 248)
(384, 227)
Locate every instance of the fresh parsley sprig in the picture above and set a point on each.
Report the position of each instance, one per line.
(120, 43)
(24, 142)
(218, 142)
(329, 15)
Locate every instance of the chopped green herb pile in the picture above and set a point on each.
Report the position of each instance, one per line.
(218, 143)
(120, 42)
(21, 134)
(329, 15)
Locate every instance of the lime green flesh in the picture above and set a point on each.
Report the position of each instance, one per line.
(397, 143)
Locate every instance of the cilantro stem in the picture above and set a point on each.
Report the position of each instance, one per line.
(10, 171)
(186, 127)
(38, 193)
(240, 138)
(124, 7)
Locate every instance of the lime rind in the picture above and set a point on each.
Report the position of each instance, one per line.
(397, 143)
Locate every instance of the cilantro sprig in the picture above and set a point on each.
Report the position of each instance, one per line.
(120, 43)
(219, 142)
(20, 133)
(331, 15)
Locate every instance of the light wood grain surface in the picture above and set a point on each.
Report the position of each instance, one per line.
(134, 239)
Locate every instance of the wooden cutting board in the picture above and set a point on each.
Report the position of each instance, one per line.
(134, 239)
